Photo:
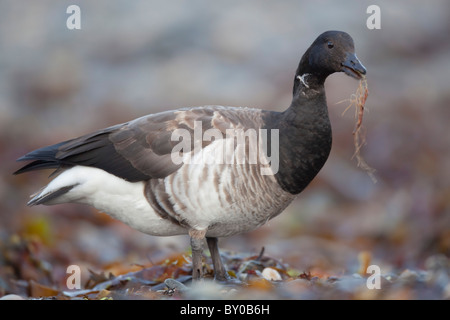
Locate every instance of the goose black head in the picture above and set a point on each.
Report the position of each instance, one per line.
(332, 51)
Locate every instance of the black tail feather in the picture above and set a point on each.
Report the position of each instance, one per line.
(44, 158)
(38, 164)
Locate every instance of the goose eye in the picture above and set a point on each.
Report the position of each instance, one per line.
(330, 44)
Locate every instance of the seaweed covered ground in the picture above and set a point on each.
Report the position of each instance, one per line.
(26, 274)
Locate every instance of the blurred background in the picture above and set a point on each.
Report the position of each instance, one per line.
(134, 58)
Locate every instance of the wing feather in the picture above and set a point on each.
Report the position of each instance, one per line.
(140, 149)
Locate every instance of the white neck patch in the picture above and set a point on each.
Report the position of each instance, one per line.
(303, 80)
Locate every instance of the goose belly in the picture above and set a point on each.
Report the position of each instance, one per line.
(225, 199)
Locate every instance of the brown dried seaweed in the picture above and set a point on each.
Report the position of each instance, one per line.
(358, 100)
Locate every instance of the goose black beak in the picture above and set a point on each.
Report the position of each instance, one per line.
(353, 67)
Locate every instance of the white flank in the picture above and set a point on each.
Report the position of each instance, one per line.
(117, 197)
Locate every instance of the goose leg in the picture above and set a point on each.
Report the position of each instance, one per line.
(197, 240)
(220, 273)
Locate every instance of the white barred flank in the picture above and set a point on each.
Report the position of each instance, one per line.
(224, 198)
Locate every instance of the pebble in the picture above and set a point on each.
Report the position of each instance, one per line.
(173, 284)
(271, 274)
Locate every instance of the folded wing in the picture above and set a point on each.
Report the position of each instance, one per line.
(140, 149)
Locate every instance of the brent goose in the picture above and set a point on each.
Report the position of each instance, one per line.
(185, 172)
